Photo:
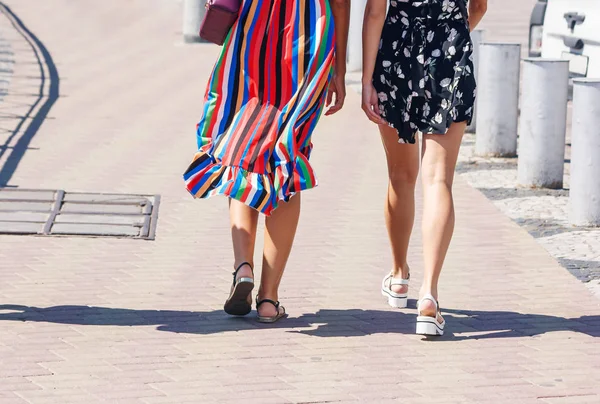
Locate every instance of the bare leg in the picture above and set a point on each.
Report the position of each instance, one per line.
(244, 220)
(403, 168)
(280, 229)
(440, 153)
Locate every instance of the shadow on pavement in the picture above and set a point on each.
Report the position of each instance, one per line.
(43, 103)
(461, 324)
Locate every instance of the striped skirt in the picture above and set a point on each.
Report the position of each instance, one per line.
(263, 100)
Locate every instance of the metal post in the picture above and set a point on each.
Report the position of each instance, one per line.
(193, 13)
(543, 122)
(498, 99)
(354, 52)
(476, 38)
(585, 153)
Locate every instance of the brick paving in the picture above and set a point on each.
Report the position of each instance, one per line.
(123, 321)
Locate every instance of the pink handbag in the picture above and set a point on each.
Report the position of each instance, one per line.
(218, 20)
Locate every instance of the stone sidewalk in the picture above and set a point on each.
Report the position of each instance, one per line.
(124, 321)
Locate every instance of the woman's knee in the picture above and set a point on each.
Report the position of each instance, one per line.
(403, 177)
(437, 174)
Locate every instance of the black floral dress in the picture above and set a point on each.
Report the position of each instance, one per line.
(424, 74)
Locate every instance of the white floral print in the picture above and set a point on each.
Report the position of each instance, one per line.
(399, 72)
(453, 34)
(426, 110)
(448, 6)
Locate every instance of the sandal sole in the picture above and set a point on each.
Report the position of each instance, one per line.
(429, 326)
(237, 304)
(395, 300)
(270, 320)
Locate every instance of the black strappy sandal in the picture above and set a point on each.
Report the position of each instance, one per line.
(270, 319)
(239, 302)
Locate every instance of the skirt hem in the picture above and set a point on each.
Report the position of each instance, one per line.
(207, 177)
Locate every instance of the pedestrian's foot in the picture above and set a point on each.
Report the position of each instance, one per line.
(239, 302)
(244, 271)
(429, 319)
(395, 288)
(428, 308)
(403, 275)
(269, 310)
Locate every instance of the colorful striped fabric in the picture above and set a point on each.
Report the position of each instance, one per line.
(263, 100)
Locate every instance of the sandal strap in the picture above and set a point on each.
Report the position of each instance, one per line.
(399, 282)
(395, 281)
(242, 264)
(240, 267)
(273, 302)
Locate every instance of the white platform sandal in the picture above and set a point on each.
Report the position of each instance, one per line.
(427, 325)
(397, 300)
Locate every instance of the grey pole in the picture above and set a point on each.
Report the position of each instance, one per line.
(585, 153)
(354, 53)
(193, 13)
(476, 38)
(543, 122)
(498, 99)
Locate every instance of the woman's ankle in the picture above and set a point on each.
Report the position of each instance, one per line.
(428, 290)
(264, 293)
(245, 269)
(267, 309)
(401, 272)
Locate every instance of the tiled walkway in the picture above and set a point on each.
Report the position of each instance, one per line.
(123, 321)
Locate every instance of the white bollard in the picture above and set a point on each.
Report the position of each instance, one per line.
(354, 52)
(477, 39)
(585, 153)
(543, 122)
(193, 13)
(498, 99)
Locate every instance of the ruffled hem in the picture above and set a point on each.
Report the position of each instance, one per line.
(206, 177)
(407, 130)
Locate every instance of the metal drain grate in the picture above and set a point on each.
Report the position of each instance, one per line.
(60, 213)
